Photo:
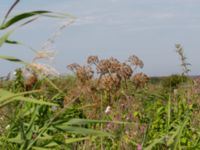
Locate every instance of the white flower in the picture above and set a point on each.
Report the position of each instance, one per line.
(108, 110)
(43, 69)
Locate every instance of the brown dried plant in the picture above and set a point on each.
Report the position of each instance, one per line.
(93, 60)
(140, 79)
(83, 73)
(110, 82)
(110, 72)
(135, 61)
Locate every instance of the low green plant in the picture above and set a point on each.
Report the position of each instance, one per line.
(174, 81)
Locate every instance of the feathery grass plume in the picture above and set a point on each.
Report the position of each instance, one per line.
(44, 54)
(185, 65)
(140, 79)
(43, 69)
(135, 61)
(48, 44)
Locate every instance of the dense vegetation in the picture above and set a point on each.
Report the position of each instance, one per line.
(105, 104)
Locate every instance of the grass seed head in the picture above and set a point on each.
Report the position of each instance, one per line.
(44, 54)
(43, 69)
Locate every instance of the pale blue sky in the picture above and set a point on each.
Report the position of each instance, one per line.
(119, 28)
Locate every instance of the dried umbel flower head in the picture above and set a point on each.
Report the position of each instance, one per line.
(103, 66)
(42, 69)
(92, 60)
(140, 79)
(134, 60)
(125, 71)
(115, 65)
(84, 73)
(110, 82)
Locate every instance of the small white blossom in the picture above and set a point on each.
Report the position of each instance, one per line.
(108, 110)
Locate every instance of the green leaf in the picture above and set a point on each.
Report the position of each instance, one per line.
(12, 42)
(5, 37)
(8, 97)
(78, 121)
(74, 140)
(154, 143)
(16, 140)
(82, 131)
(40, 148)
(22, 16)
(12, 59)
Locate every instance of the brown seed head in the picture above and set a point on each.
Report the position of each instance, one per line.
(92, 60)
(115, 65)
(125, 71)
(103, 66)
(84, 73)
(110, 82)
(73, 67)
(140, 79)
(134, 60)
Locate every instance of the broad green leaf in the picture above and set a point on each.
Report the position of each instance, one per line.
(78, 121)
(83, 131)
(40, 148)
(52, 144)
(16, 140)
(22, 16)
(73, 140)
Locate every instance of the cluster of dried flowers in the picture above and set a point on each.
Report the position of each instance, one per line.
(110, 72)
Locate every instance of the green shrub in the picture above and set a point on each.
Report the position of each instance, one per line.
(174, 81)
